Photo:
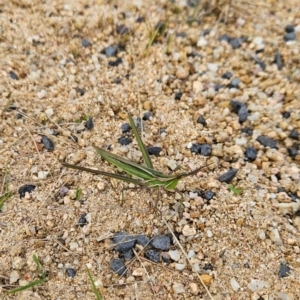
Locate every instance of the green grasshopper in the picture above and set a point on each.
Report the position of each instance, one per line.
(143, 176)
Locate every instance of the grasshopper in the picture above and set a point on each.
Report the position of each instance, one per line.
(143, 176)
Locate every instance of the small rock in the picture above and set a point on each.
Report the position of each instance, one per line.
(27, 188)
(125, 127)
(228, 176)
(224, 37)
(178, 288)
(250, 154)
(13, 75)
(227, 75)
(128, 255)
(202, 42)
(284, 271)
(123, 241)
(275, 236)
(49, 145)
(208, 266)
(203, 149)
(289, 28)
(124, 141)
(79, 156)
(292, 152)
(110, 51)
(188, 231)
(14, 277)
(201, 120)
(118, 266)
(194, 288)
(89, 123)
(142, 239)
(179, 267)
(290, 36)
(256, 285)
(147, 115)
(82, 220)
(286, 114)
(294, 134)
(209, 233)
(85, 43)
(236, 43)
(122, 29)
(161, 242)
(115, 63)
(266, 141)
(138, 272)
(208, 195)
(212, 67)
(178, 96)
(234, 284)
(207, 279)
(235, 83)
(154, 150)
(81, 91)
(165, 257)
(71, 272)
(278, 61)
(285, 296)
(152, 255)
(240, 109)
(182, 73)
(174, 255)
(73, 246)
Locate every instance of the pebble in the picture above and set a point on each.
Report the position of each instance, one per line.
(207, 279)
(202, 149)
(123, 241)
(79, 156)
(191, 254)
(234, 284)
(49, 145)
(122, 29)
(209, 233)
(13, 75)
(286, 114)
(256, 285)
(275, 236)
(142, 239)
(194, 288)
(89, 123)
(236, 43)
(293, 152)
(152, 255)
(147, 115)
(235, 83)
(27, 188)
(227, 75)
(294, 134)
(85, 43)
(284, 271)
(110, 51)
(128, 255)
(138, 272)
(208, 266)
(118, 266)
(178, 288)
(124, 140)
(82, 220)
(250, 154)
(182, 73)
(125, 127)
(71, 272)
(179, 267)
(201, 120)
(161, 242)
(212, 67)
(154, 150)
(202, 42)
(73, 246)
(228, 176)
(278, 61)
(188, 231)
(196, 268)
(178, 96)
(240, 109)
(174, 255)
(41, 94)
(290, 36)
(14, 277)
(285, 296)
(115, 63)
(266, 141)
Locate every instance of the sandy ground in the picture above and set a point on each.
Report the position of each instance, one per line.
(55, 73)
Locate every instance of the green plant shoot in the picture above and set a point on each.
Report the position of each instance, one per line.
(140, 175)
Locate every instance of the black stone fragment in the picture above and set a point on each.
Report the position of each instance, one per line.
(201, 120)
(218, 86)
(123, 241)
(128, 255)
(208, 267)
(289, 28)
(49, 145)
(293, 152)
(247, 130)
(71, 272)
(125, 127)
(115, 63)
(278, 61)
(161, 242)
(142, 239)
(162, 130)
(203, 149)
(178, 96)
(89, 123)
(206, 31)
(118, 266)
(124, 140)
(152, 255)
(122, 29)
(154, 150)
(246, 265)
(228, 176)
(227, 75)
(140, 19)
(284, 271)
(74, 138)
(266, 141)
(81, 91)
(286, 114)
(85, 43)
(250, 154)
(294, 134)
(82, 220)
(235, 83)
(110, 51)
(236, 43)
(261, 64)
(13, 75)
(208, 195)
(117, 80)
(26, 188)
(147, 115)
(290, 36)
(224, 37)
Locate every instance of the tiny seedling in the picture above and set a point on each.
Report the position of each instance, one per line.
(78, 194)
(43, 278)
(143, 176)
(234, 189)
(7, 193)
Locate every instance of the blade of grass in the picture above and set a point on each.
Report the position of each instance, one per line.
(95, 290)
